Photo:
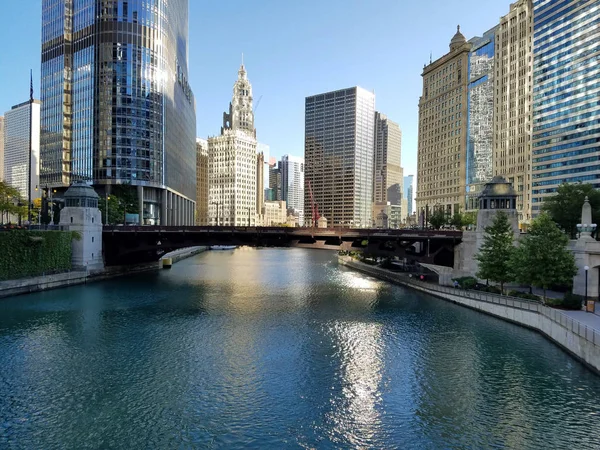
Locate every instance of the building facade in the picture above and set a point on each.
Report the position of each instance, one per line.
(441, 168)
(292, 182)
(117, 107)
(274, 214)
(232, 160)
(202, 182)
(480, 116)
(513, 103)
(260, 181)
(22, 129)
(388, 175)
(275, 183)
(339, 152)
(1, 148)
(566, 88)
(409, 194)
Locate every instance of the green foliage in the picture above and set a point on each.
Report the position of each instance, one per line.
(32, 253)
(10, 198)
(495, 254)
(565, 207)
(438, 218)
(525, 295)
(466, 282)
(469, 218)
(457, 220)
(570, 301)
(543, 259)
(122, 200)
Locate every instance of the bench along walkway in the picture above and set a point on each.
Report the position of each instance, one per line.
(577, 332)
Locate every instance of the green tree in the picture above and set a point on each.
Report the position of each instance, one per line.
(495, 254)
(457, 220)
(438, 218)
(469, 218)
(127, 195)
(10, 199)
(116, 210)
(565, 206)
(542, 258)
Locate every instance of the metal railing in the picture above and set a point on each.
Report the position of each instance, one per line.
(588, 333)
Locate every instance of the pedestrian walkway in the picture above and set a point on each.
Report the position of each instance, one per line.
(588, 319)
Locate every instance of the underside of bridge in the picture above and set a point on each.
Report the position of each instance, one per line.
(144, 244)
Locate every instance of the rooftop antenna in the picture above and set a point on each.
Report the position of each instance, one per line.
(242, 58)
(430, 57)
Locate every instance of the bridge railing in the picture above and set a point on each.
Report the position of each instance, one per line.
(588, 333)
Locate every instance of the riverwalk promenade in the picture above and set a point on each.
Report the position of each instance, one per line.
(577, 332)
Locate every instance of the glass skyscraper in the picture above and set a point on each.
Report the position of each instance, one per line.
(292, 185)
(339, 129)
(117, 107)
(566, 89)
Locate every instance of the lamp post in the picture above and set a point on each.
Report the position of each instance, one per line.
(107, 198)
(586, 268)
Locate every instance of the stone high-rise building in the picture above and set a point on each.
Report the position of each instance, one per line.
(202, 182)
(442, 151)
(117, 107)
(260, 182)
(232, 162)
(513, 102)
(1, 148)
(339, 152)
(388, 174)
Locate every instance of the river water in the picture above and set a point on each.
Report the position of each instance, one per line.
(274, 349)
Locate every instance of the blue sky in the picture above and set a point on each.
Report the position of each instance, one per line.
(292, 49)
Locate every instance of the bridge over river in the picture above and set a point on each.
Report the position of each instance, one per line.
(139, 244)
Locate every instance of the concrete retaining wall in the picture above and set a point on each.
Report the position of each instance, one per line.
(579, 340)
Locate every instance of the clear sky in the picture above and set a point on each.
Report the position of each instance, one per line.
(292, 49)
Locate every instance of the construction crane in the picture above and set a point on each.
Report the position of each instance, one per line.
(313, 206)
(257, 103)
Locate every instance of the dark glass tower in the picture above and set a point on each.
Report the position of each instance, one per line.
(116, 104)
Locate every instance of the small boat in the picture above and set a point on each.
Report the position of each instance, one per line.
(223, 247)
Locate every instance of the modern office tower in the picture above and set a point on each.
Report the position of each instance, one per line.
(339, 150)
(408, 194)
(566, 88)
(22, 129)
(275, 186)
(292, 182)
(513, 111)
(1, 148)
(441, 168)
(266, 151)
(232, 162)
(480, 110)
(117, 107)
(388, 176)
(260, 182)
(202, 182)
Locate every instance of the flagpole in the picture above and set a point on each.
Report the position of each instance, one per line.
(30, 150)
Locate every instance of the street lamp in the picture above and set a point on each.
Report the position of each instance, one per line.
(586, 268)
(106, 210)
(585, 228)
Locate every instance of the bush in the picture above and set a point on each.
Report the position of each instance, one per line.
(466, 282)
(572, 301)
(492, 290)
(525, 295)
(32, 253)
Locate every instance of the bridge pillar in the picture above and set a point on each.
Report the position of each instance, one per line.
(140, 194)
(163, 208)
(587, 255)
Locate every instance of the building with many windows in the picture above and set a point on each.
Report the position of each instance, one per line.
(442, 150)
(480, 116)
(117, 107)
(566, 88)
(275, 192)
(22, 129)
(388, 174)
(1, 148)
(232, 159)
(292, 185)
(339, 151)
(202, 182)
(408, 194)
(512, 103)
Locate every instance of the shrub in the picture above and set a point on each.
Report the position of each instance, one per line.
(572, 301)
(525, 295)
(492, 290)
(466, 282)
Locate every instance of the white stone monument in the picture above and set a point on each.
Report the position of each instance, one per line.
(81, 214)
(587, 255)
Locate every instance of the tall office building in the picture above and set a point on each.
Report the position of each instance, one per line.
(260, 182)
(513, 109)
(388, 176)
(292, 182)
(408, 194)
(566, 88)
(1, 148)
(339, 150)
(232, 162)
(265, 149)
(117, 107)
(442, 152)
(22, 128)
(202, 182)
(480, 116)
(275, 186)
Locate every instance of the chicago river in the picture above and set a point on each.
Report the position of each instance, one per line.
(279, 349)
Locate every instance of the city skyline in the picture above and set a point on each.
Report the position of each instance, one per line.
(281, 77)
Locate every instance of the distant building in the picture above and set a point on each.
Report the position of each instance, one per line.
(275, 182)
(408, 194)
(266, 151)
(260, 183)
(274, 214)
(22, 127)
(386, 215)
(339, 152)
(232, 162)
(202, 182)
(388, 177)
(1, 148)
(292, 185)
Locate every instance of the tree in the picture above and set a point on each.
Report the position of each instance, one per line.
(457, 220)
(565, 206)
(542, 258)
(10, 199)
(495, 254)
(438, 219)
(469, 218)
(116, 210)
